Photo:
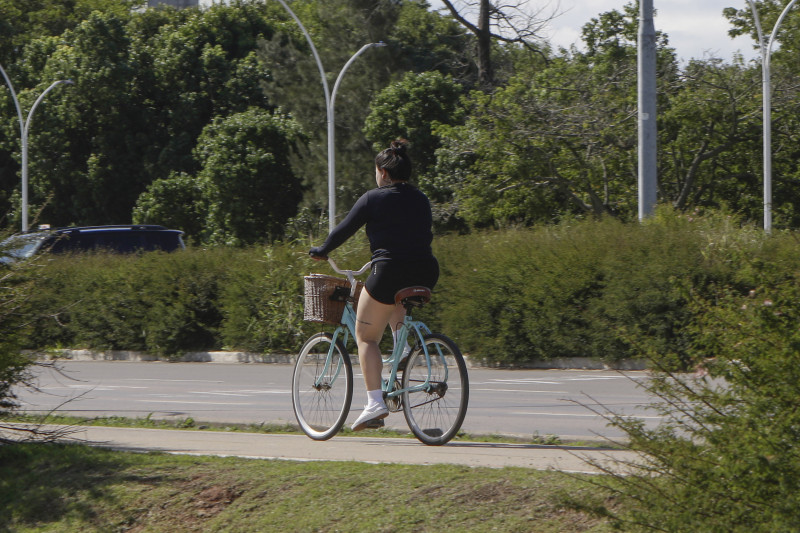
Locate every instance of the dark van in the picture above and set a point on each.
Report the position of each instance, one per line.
(117, 239)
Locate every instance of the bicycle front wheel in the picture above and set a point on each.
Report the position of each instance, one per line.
(436, 408)
(322, 386)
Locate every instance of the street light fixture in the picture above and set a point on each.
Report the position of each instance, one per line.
(329, 106)
(766, 50)
(24, 128)
(331, 144)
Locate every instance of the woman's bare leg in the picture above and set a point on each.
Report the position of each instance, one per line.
(396, 320)
(372, 318)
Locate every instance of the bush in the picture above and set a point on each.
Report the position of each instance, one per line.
(726, 459)
(601, 289)
(248, 299)
(162, 303)
(16, 283)
(263, 303)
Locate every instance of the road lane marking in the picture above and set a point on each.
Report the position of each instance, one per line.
(174, 380)
(96, 387)
(588, 415)
(595, 378)
(185, 402)
(524, 381)
(215, 393)
(523, 390)
(245, 391)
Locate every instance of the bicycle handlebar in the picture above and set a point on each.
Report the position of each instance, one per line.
(351, 274)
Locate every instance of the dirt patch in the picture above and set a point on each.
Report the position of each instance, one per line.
(499, 491)
(214, 499)
(191, 504)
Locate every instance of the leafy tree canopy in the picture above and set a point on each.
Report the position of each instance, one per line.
(245, 190)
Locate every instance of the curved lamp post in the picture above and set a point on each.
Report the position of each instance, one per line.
(766, 51)
(330, 98)
(24, 128)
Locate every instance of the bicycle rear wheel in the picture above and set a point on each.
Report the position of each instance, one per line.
(322, 387)
(435, 414)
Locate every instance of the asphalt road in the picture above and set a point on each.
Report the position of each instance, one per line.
(510, 402)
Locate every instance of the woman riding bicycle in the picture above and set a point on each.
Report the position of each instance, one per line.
(398, 219)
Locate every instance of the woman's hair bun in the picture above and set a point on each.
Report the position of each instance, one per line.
(395, 160)
(399, 146)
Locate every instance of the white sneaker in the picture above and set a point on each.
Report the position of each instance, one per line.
(376, 412)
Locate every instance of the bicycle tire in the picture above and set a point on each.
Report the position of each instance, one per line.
(322, 394)
(435, 415)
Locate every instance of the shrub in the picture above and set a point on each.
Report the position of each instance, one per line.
(726, 459)
(262, 303)
(16, 284)
(595, 288)
(162, 303)
(247, 299)
(599, 289)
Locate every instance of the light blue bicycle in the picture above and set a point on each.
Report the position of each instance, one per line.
(430, 385)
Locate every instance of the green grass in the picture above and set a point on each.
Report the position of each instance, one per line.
(76, 488)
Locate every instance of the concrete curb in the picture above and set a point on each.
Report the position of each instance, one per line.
(190, 357)
(573, 363)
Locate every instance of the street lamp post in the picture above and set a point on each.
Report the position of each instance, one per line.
(648, 132)
(329, 106)
(24, 128)
(766, 51)
(331, 143)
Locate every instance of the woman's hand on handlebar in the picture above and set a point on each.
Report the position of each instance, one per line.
(316, 256)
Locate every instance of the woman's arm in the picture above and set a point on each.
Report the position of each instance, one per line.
(356, 218)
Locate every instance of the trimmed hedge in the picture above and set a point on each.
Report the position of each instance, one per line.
(168, 304)
(600, 289)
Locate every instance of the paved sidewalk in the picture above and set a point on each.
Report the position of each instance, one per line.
(366, 449)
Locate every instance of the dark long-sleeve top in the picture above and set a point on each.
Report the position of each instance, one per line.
(398, 219)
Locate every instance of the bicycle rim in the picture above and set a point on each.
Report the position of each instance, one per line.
(435, 414)
(322, 387)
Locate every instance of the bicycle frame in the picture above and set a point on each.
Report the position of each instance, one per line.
(347, 329)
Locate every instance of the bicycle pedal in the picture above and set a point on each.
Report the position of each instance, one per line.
(375, 424)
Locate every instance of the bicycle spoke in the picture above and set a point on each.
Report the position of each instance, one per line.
(436, 405)
(322, 387)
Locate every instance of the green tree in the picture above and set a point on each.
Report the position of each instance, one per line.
(245, 190)
(193, 67)
(145, 87)
(26, 20)
(709, 123)
(417, 40)
(785, 102)
(338, 29)
(179, 201)
(22, 23)
(410, 109)
(554, 140)
(426, 41)
(743, 23)
(561, 137)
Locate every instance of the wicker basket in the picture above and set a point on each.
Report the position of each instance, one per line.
(319, 305)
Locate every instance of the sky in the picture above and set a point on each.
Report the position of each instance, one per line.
(696, 28)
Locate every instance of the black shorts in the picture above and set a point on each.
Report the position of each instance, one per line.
(388, 277)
